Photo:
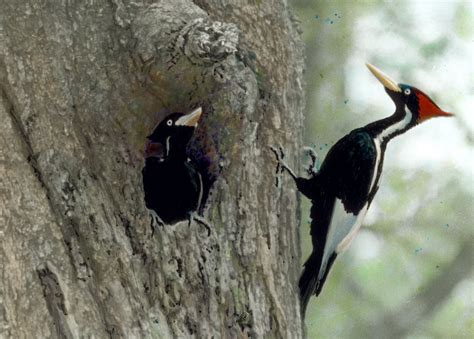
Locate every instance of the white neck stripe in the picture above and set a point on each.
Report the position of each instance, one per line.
(396, 127)
(168, 146)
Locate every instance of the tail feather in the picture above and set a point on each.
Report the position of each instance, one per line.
(308, 285)
(312, 280)
(322, 279)
(308, 282)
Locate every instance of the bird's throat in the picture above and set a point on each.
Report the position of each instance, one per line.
(388, 128)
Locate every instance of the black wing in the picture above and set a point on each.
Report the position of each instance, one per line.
(348, 169)
(346, 175)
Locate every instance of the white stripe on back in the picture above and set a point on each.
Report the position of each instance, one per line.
(378, 156)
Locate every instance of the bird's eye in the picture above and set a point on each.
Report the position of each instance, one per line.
(407, 91)
(169, 122)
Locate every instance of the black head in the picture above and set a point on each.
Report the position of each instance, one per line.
(408, 97)
(172, 134)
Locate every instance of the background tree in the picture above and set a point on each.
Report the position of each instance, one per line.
(82, 83)
(409, 272)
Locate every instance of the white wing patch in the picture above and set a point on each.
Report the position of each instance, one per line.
(342, 230)
(344, 244)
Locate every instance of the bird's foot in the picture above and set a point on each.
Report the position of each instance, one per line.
(200, 220)
(281, 165)
(155, 221)
(312, 168)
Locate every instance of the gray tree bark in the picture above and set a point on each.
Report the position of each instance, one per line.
(82, 83)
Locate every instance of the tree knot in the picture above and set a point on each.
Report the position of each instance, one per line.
(205, 42)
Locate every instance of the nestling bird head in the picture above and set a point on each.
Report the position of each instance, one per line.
(172, 134)
(409, 98)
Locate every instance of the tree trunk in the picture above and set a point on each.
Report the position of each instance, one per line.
(82, 83)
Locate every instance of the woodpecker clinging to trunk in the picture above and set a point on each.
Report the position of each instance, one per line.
(343, 188)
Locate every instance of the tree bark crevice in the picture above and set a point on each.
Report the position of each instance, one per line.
(55, 300)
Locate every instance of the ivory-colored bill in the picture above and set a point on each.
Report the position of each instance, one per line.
(383, 78)
(190, 119)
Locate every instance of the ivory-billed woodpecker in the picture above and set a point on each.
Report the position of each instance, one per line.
(345, 185)
(171, 181)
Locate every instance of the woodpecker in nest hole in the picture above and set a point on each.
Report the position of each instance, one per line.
(172, 183)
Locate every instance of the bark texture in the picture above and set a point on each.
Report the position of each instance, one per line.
(81, 85)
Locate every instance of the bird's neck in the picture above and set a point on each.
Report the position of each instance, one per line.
(175, 149)
(388, 128)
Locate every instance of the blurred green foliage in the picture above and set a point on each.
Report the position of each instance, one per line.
(409, 273)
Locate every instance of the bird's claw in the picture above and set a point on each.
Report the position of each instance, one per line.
(281, 164)
(155, 220)
(201, 220)
(312, 166)
(279, 156)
